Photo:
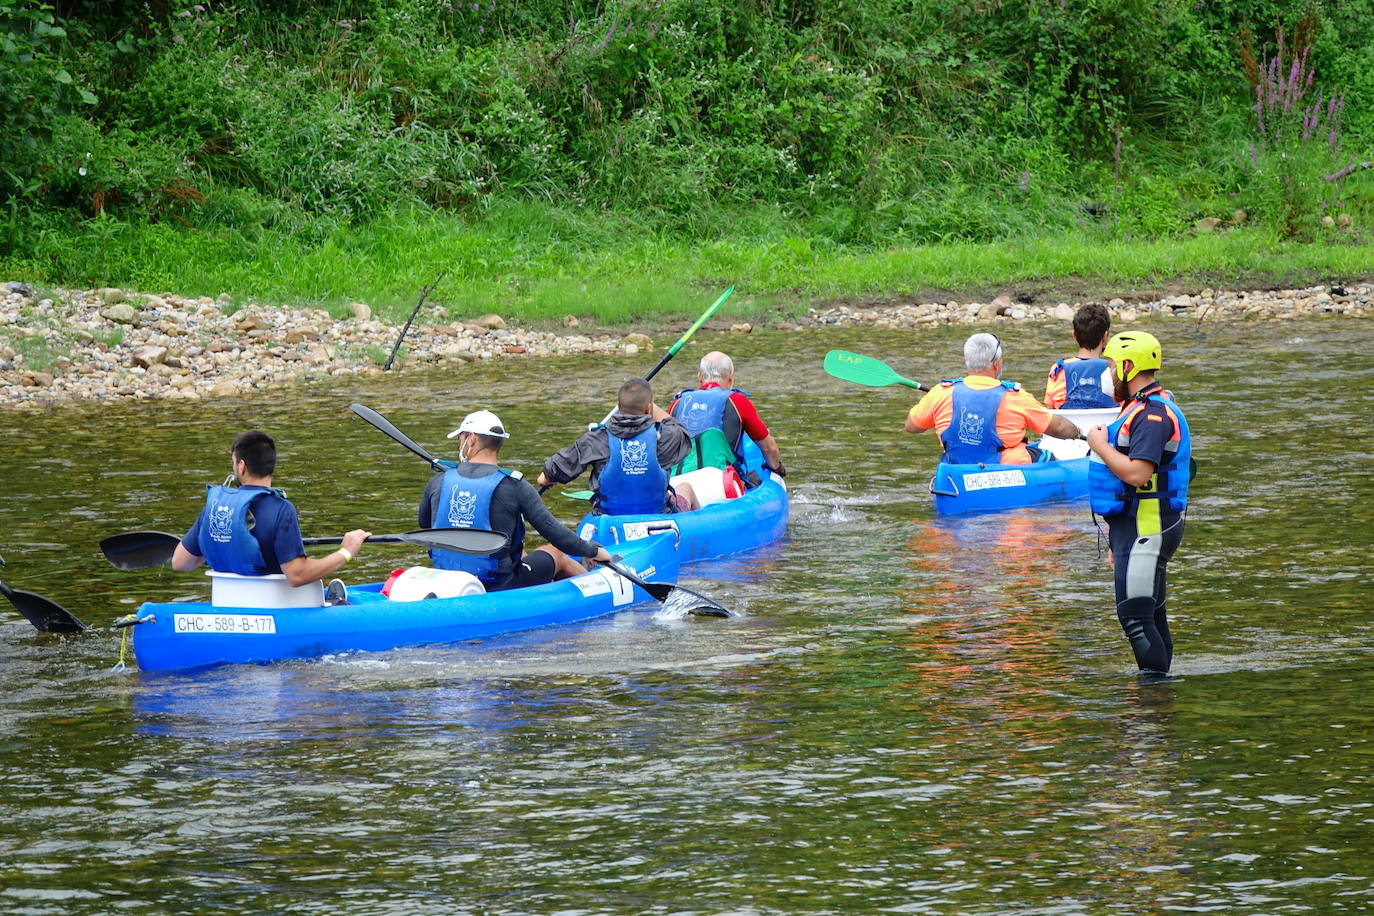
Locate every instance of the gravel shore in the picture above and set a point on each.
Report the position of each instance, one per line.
(108, 344)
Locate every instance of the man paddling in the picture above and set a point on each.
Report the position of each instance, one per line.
(252, 529)
(479, 493)
(1085, 380)
(715, 404)
(629, 457)
(981, 419)
(1138, 481)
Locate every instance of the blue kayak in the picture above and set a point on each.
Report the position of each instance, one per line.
(960, 488)
(197, 634)
(757, 518)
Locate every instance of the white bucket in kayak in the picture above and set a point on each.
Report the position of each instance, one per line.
(419, 582)
(232, 590)
(710, 485)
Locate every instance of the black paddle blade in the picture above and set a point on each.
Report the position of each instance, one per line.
(675, 597)
(46, 616)
(694, 603)
(139, 549)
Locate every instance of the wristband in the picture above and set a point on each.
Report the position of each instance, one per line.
(346, 555)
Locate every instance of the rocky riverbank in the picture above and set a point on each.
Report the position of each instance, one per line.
(106, 344)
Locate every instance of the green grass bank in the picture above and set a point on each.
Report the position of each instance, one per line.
(539, 263)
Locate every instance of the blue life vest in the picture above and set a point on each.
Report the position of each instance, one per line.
(1083, 383)
(1109, 495)
(226, 541)
(700, 409)
(632, 481)
(971, 436)
(465, 502)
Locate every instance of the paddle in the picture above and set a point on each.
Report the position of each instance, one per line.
(584, 495)
(424, 294)
(146, 549)
(865, 370)
(46, 616)
(692, 602)
(687, 334)
(672, 351)
(383, 424)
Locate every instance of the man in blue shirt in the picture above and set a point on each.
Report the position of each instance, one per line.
(252, 529)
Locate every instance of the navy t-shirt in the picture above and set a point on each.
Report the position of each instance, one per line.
(275, 526)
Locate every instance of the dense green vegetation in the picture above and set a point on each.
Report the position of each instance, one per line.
(617, 156)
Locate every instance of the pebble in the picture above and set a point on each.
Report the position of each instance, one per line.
(125, 345)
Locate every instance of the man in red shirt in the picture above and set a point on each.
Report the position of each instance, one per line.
(716, 404)
(981, 419)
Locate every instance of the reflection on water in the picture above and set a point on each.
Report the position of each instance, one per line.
(911, 714)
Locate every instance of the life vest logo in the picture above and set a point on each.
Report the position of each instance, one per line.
(462, 508)
(697, 417)
(634, 457)
(971, 428)
(221, 523)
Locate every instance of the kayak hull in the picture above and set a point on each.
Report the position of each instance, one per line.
(198, 634)
(961, 488)
(757, 518)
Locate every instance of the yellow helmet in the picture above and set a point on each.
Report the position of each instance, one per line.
(1140, 348)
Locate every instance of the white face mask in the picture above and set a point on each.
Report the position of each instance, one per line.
(463, 441)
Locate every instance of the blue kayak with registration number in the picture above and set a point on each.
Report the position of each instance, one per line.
(755, 519)
(198, 634)
(961, 488)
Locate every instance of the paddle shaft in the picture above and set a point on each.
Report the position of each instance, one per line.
(681, 342)
(687, 334)
(382, 423)
(424, 294)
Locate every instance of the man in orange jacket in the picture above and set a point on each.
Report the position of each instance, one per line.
(981, 419)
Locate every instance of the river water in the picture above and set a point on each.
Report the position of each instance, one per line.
(910, 715)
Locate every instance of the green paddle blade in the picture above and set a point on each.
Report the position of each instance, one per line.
(865, 370)
(584, 495)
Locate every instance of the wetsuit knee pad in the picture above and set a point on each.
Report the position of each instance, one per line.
(1137, 608)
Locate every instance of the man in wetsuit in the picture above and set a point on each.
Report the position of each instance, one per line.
(629, 457)
(715, 404)
(478, 493)
(1138, 481)
(981, 419)
(253, 530)
(1085, 380)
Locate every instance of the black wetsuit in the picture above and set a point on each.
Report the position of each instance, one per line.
(512, 502)
(1143, 540)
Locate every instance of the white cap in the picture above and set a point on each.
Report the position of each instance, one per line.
(483, 422)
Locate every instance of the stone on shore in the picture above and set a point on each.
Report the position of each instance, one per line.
(148, 357)
(491, 322)
(120, 314)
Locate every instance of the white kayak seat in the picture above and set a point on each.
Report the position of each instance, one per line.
(420, 582)
(233, 590)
